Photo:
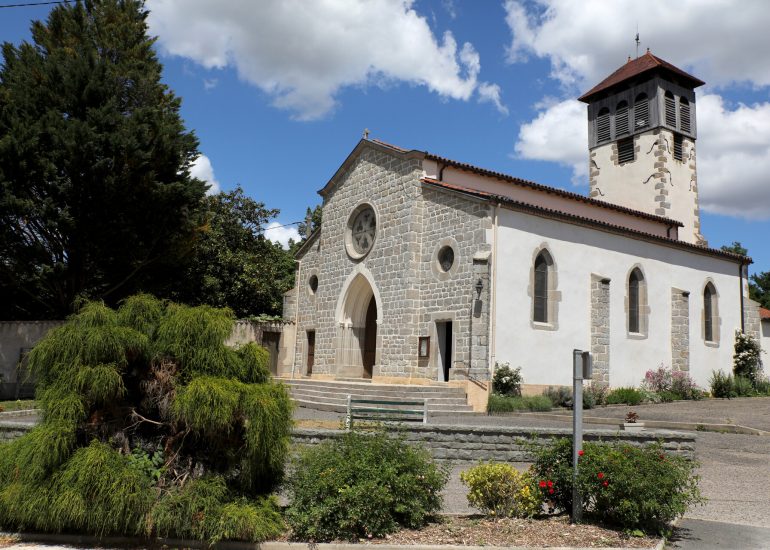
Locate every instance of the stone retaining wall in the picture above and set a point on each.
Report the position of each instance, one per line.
(508, 444)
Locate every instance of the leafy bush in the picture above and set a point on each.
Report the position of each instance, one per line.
(507, 381)
(627, 396)
(743, 387)
(746, 360)
(560, 396)
(595, 395)
(722, 384)
(762, 386)
(671, 385)
(501, 490)
(136, 404)
(362, 484)
(534, 403)
(632, 487)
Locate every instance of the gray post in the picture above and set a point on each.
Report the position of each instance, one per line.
(577, 430)
(349, 415)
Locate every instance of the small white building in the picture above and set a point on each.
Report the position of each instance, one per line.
(427, 269)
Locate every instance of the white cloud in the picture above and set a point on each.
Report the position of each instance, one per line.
(733, 142)
(202, 169)
(490, 93)
(210, 83)
(280, 234)
(302, 53)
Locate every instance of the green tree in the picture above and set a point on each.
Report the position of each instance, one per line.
(311, 223)
(759, 283)
(234, 265)
(736, 248)
(150, 425)
(96, 198)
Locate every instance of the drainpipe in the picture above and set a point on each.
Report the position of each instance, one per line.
(493, 294)
(743, 320)
(441, 171)
(296, 318)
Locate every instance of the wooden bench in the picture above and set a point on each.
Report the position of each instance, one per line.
(397, 410)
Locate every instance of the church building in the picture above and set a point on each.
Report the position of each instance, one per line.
(428, 270)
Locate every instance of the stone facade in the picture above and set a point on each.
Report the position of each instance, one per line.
(600, 329)
(411, 296)
(680, 330)
(753, 322)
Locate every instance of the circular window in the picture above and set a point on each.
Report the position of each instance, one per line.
(362, 230)
(313, 283)
(446, 258)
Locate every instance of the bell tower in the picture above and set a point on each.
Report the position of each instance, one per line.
(641, 141)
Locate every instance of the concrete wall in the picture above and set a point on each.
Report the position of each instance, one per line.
(16, 336)
(580, 256)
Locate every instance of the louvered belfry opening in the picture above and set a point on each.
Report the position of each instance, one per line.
(670, 110)
(621, 119)
(625, 150)
(641, 112)
(678, 147)
(684, 115)
(603, 125)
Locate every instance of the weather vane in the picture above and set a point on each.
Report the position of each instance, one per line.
(637, 40)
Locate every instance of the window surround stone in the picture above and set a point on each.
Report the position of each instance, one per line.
(716, 320)
(554, 296)
(435, 266)
(349, 246)
(644, 306)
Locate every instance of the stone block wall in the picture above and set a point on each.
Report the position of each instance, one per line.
(600, 329)
(680, 330)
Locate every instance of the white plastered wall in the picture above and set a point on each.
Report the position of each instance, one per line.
(578, 252)
(764, 342)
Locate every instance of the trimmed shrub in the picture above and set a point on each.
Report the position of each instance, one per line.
(632, 487)
(502, 491)
(507, 381)
(533, 403)
(361, 485)
(627, 396)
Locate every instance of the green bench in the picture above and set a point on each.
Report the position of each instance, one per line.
(397, 410)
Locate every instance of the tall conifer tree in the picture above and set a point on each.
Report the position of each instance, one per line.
(96, 198)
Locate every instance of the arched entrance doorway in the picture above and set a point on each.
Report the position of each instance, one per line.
(357, 338)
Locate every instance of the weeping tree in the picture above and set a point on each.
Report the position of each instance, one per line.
(150, 426)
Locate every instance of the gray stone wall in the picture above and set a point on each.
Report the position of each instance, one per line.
(307, 306)
(474, 443)
(600, 329)
(16, 337)
(680, 330)
(391, 185)
(752, 320)
(461, 222)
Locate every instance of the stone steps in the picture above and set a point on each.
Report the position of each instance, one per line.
(330, 395)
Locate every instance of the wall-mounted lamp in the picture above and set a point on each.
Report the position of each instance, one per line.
(479, 287)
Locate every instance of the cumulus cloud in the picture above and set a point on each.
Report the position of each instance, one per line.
(302, 53)
(280, 234)
(733, 148)
(490, 93)
(202, 169)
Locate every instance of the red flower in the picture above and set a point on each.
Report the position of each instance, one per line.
(663, 457)
(550, 484)
(605, 483)
(550, 491)
(600, 475)
(542, 484)
(580, 452)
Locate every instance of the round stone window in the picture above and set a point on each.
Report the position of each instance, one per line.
(362, 230)
(446, 258)
(313, 283)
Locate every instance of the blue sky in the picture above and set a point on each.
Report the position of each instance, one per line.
(279, 91)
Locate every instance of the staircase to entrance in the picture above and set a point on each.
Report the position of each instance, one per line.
(331, 395)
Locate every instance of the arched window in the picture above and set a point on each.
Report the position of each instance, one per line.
(541, 288)
(603, 125)
(635, 282)
(684, 115)
(641, 112)
(621, 118)
(709, 313)
(670, 110)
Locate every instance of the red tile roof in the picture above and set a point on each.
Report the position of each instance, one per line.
(764, 314)
(558, 214)
(635, 67)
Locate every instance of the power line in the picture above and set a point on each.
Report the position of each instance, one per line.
(284, 225)
(34, 4)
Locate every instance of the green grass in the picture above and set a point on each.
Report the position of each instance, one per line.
(534, 403)
(18, 405)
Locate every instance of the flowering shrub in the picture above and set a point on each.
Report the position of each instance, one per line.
(361, 485)
(746, 360)
(670, 385)
(632, 487)
(501, 490)
(506, 381)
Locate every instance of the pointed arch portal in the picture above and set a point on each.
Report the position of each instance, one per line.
(358, 314)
